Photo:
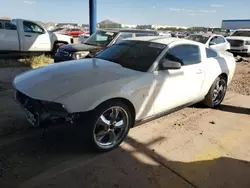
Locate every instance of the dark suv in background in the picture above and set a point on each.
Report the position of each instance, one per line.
(101, 39)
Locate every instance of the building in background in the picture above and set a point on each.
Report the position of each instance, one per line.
(235, 24)
(109, 24)
(128, 26)
(144, 27)
(157, 27)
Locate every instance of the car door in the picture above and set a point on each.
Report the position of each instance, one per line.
(35, 38)
(223, 45)
(181, 86)
(218, 43)
(8, 36)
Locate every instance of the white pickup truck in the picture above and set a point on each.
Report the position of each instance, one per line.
(20, 35)
(240, 42)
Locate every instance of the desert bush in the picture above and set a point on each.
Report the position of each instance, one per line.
(33, 62)
(36, 61)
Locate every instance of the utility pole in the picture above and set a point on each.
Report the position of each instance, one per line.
(92, 16)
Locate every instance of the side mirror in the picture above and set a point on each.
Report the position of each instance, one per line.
(170, 64)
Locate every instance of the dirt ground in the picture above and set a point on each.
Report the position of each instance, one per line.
(24, 155)
(241, 81)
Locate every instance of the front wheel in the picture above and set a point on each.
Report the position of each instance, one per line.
(216, 93)
(109, 126)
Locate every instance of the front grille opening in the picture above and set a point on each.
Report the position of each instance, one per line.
(236, 43)
(21, 97)
(39, 106)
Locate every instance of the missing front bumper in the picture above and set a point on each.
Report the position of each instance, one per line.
(39, 113)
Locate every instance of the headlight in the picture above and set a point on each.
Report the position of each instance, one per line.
(80, 55)
(247, 43)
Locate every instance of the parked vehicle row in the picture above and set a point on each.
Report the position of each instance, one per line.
(100, 40)
(133, 80)
(74, 32)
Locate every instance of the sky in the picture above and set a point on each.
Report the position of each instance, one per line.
(162, 12)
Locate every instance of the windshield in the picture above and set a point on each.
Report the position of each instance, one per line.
(135, 55)
(241, 33)
(101, 38)
(198, 38)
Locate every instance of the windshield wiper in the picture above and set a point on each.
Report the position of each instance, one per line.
(93, 44)
(89, 43)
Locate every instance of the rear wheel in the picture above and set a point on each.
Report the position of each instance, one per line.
(109, 125)
(216, 93)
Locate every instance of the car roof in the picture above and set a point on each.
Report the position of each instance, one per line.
(208, 34)
(203, 34)
(242, 30)
(162, 40)
(128, 30)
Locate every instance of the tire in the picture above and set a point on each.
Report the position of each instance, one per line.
(216, 93)
(101, 129)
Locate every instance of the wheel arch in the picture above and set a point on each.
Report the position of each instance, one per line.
(125, 101)
(224, 75)
(210, 83)
(58, 42)
(54, 47)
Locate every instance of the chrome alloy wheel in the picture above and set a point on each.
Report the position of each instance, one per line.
(219, 91)
(111, 127)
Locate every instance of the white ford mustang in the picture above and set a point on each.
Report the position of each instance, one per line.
(134, 80)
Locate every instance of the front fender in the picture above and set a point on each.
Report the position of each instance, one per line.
(63, 38)
(138, 90)
(89, 99)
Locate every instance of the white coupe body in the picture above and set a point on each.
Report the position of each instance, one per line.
(83, 85)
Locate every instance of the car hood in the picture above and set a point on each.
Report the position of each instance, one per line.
(79, 47)
(238, 38)
(55, 80)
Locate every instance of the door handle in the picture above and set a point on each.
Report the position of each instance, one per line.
(27, 35)
(199, 71)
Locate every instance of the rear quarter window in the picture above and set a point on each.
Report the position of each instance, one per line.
(211, 53)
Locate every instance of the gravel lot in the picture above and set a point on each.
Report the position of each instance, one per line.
(241, 81)
(23, 154)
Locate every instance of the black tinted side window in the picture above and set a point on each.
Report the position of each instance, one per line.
(188, 54)
(211, 53)
(1, 25)
(32, 28)
(10, 26)
(142, 34)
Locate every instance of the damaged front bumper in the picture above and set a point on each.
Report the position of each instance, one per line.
(38, 112)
